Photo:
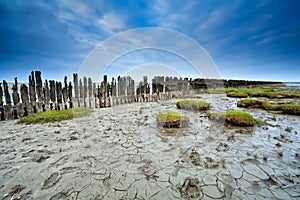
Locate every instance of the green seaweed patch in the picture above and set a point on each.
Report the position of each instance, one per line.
(171, 119)
(193, 105)
(261, 104)
(189, 97)
(216, 91)
(260, 122)
(251, 103)
(54, 116)
(289, 109)
(234, 117)
(270, 93)
(237, 94)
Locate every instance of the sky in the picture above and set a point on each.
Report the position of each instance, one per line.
(253, 40)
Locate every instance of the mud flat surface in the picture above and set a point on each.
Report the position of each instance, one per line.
(121, 153)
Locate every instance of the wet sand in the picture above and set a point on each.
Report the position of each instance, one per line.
(120, 153)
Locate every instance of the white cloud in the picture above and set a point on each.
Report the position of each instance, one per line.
(78, 7)
(160, 6)
(111, 23)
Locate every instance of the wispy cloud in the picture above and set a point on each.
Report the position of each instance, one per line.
(111, 22)
(78, 7)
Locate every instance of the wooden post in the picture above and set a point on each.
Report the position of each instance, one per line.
(6, 93)
(16, 96)
(75, 81)
(25, 99)
(65, 92)
(80, 90)
(1, 95)
(85, 91)
(52, 93)
(32, 93)
(90, 88)
(2, 115)
(70, 90)
(58, 86)
(95, 95)
(46, 94)
(39, 87)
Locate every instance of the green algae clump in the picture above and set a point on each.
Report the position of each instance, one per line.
(54, 116)
(193, 105)
(282, 108)
(234, 117)
(169, 119)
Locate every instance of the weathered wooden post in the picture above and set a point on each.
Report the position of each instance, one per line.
(1, 103)
(95, 95)
(85, 91)
(147, 88)
(7, 106)
(32, 93)
(58, 86)
(127, 89)
(6, 93)
(25, 98)
(131, 87)
(80, 90)
(105, 92)
(39, 88)
(75, 81)
(119, 101)
(46, 93)
(154, 85)
(113, 91)
(1, 95)
(2, 116)
(161, 87)
(114, 87)
(90, 89)
(52, 93)
(16, 98)
(70, 89)
(65, 92)
(99, 95)
(15, 112)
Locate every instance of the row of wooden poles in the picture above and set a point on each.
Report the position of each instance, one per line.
(37, 96)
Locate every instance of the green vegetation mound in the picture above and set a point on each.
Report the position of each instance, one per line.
(192, 105)
(261, 92)
(282, 108)
(169, 118)
(55, 115)
(234, 117)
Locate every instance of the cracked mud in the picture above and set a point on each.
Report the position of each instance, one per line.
(121, 153)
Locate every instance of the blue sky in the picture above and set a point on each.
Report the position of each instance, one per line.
(256, 40)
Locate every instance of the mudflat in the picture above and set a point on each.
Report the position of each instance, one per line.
(121, 153)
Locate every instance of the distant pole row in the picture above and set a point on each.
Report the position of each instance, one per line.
(37, 96)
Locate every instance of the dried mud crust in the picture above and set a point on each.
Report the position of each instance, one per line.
(116, 158)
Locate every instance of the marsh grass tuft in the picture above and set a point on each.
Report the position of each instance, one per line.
(234, 117)
(270, 93)
(262, 104)
(193, 105)
(169, 118)
(54, 116)
(260, 122)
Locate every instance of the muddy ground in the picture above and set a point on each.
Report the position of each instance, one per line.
(121, 153)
